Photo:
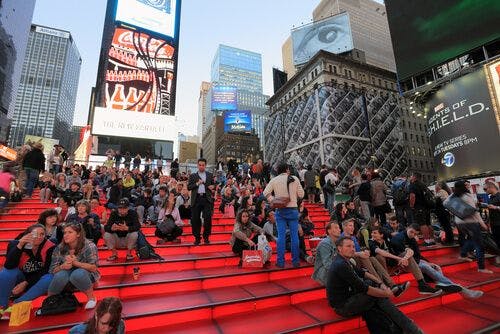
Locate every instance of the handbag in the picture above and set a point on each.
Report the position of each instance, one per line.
(264, 246)
(167, 225)
(20, 313)
(56, 304)
(229, 211)
(458, 207)
(282, 202)
(252, 258)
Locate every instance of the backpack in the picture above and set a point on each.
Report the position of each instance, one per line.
(401, 194)
(167, 225)
(56, 304)
(429, 198)
(144, 249)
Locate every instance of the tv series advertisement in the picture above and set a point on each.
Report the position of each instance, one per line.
(139, 88)
(224, 98)
(238, 121)
(427, 33)
(463, 129)
(332, 34)
(158, 16)
(493, 70)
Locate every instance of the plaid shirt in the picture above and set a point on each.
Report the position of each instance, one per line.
(87, 255)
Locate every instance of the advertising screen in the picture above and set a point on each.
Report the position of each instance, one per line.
(427, 33)
(224, 98)
(493, 69)
(139, 87)
(155, 15)
(462, 128)
(238, 121)
(332, 34)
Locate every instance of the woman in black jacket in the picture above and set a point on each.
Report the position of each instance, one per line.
(25, 273)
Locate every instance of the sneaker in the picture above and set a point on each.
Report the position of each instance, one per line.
(91, 304)
(467, 259)
(160, 242)
(428, 243)
(485, 271)
(428, 290)
(471, 294)
(176, 241)
(6, 313)
(197, 242)
(206, 241)
(129, 257)
(399, 289)
(449, 288)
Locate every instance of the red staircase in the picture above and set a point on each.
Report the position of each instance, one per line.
(200, 289)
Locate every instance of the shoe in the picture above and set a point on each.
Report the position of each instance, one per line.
(112, 258)
(129, 257)
(296, 265)
(471, 294)
(91, 304)
(428, 290)
(206, 241)
(197, 242)
(176, 241)
(428, 243)
(467, 259)
(6, 313)
(399, 289)
(240, 264)
(160, 242)
(485, 271)
(449, 288)
(279, 265)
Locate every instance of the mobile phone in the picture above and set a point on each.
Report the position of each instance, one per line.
(483, 205)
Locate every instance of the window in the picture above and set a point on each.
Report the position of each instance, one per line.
(330, 67)
(405, 136)
(420, 127)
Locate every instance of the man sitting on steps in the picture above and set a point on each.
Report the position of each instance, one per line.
(121, 230)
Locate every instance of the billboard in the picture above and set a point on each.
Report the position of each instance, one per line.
(238, 121)
(493, 70)
(224, 98)
(427, 33)
(48, 143)
(463, 129)
(139, 87)
(332, 34)
(157, 16)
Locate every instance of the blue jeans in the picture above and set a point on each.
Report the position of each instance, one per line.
(436, 275)
(80, 278)
(288, 218)
(31, 180)
(4, 199)
(331, 202)
(473, 240)
(9, 278)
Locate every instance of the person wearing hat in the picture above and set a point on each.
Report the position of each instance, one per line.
(122, 230)
(33, 165)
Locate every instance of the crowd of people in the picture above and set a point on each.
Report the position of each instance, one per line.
(365, 242)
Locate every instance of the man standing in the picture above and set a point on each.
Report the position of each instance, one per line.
(400, 200)
(331, 180)
(421, 213)
(322, 174)
(349, 294)
(310, 183)
(494, 216)
(33, 164)
(201, 185)
(325, 252)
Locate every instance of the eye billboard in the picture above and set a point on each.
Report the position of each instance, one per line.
(332, 34)
(139, 88)
(463, 128)
(238, 121)
(224, 98)
(158, 16)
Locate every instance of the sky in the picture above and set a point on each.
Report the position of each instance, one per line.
(258, 25)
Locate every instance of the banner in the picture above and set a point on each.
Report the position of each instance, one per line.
(48, 143)
(8, 153)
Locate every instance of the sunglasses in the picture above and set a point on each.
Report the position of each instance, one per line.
(76, 225)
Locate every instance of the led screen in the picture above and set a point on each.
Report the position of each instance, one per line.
(155, 15)
(224, 98)
(238, 121)
(332, 34)
(426, 33)
(462, 128)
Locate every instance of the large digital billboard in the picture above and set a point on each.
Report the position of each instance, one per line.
(158, 16)
(493, 69)
(224, 98)
(238, 121)
(463, 128)
(426, 33)
(139, 87)
(332, 34)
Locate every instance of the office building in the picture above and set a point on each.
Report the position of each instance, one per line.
(46, 97)
(15, 23)
(369, 28)
(203, 107)
(241, 69)
(318, 118)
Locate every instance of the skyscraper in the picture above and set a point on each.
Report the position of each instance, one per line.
(203, 107)
(46, 97)
(15, 22)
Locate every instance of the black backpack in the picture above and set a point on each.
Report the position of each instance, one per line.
(401, 194)
(167, 225)
(57, 304)
(144, 249)
(429, 198)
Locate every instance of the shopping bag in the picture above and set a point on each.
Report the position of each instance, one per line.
(252, 258)
(20, 313)
(229, 211)
(263, 245)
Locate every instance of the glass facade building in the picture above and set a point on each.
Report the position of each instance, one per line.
(47, 91)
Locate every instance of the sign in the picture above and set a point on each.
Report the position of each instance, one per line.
(224, 98)
(463, 129)
(238, 121)
(48, 143)
(52, 32)
(8, 153)
(154, 15)
(493, 70)
(332, 34)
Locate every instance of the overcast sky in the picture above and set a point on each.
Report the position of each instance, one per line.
(258, 25)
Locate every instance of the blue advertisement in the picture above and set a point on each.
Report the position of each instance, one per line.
(224, 98)
(154, 15)
(238, 121)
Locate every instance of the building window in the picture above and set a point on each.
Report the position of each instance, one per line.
(405, 136)
(330, 67)
(335, 69)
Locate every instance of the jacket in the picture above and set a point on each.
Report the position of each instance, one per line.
(278, 186)
(378, 191)
(193, 187)
(131, 220)
(34, 159)
(243, 231)
(325, 252)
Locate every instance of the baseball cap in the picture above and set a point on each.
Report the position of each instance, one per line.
(123, 203)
